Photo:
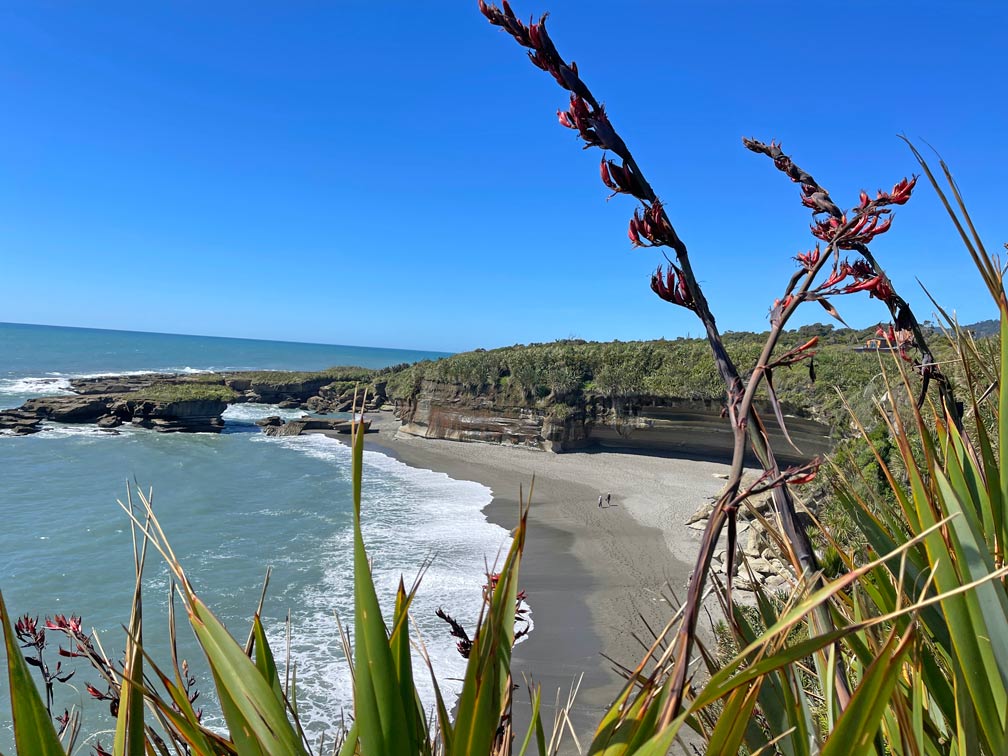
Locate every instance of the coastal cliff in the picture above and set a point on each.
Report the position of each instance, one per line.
(650, 424)
(647, 396)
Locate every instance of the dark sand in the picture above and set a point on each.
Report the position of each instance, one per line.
(588, 572)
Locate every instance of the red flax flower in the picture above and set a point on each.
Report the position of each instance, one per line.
(95, 693)
(672, 287)
(797, 480)
(808, 260)
(900, 193)
(59, 622)
(825, 229)
(29, 633)
(592, 125)
(620, 178)
(651, 229)
(797, 354)
(877, 286)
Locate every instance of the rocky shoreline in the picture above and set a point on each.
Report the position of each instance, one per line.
(435, 410)
(181, 403)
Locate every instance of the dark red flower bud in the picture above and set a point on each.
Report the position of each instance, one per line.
(808, 260)
(900, 193)
(620, 178)
(607, 177)
(825, 229)
(671, 287)
(634, 231)
(860, 269)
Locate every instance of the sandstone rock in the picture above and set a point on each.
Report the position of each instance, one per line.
(776, 583)
(702, 513)
(327, 425)
(190, 416)
(272, 420)
(68, 409)
(116, 384)
(19, 423)
(756, 542)
(109, 421)
(319, 404)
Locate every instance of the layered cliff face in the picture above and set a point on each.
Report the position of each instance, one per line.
(641, 423)
(444, 410)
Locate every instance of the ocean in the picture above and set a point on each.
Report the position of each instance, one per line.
(231, 504)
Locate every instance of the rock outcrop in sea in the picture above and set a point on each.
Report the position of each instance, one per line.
(185, 403)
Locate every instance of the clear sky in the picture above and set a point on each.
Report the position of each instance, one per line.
(393, 174)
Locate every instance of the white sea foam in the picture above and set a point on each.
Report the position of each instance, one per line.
(50, 385)
(166, 370)
(55, 383)
(410, 517)
(84, 430)
(250, 412)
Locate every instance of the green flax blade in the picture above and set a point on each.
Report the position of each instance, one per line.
(855, 730)
(248, 701)
(264, 660)
(378, 704)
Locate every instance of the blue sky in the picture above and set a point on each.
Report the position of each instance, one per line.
(393, 174)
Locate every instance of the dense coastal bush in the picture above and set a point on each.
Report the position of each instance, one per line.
(568, 372)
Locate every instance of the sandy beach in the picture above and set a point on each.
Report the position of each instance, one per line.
(588, 572)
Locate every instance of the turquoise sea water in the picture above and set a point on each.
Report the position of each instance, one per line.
(232, 504)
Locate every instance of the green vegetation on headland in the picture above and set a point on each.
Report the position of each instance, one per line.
(186, 391)
(556, 376)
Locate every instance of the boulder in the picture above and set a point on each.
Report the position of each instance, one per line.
(756, 542)
(185, 416)
(702, 513)
(271, 421)
(19, 423)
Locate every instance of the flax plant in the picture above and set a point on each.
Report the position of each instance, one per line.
(869, 632)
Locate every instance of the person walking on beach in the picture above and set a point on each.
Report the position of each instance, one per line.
(608, 498)
(600, 501)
